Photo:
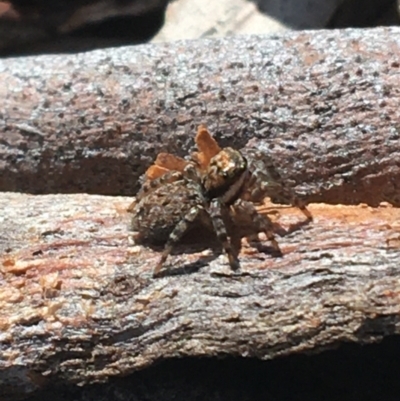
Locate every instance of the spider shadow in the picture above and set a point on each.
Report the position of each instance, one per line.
(247, 231)
(187, 268)
(202, 238)
(194, 241)
(255, 242)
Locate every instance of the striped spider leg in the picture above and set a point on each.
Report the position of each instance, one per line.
(265, 181)
(226, 178)
(170, 205)
(179, 194)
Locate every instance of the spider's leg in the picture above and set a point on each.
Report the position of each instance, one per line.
(287, 194)
(269, 183)
(177, 234)
(295, 201)
(151, 185)
(220, 230)
(262, 223)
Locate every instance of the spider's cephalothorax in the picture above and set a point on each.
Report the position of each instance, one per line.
(225, 176)
(202, 191)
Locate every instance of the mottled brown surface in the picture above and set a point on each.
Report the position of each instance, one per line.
(323, 104)
(79, 304)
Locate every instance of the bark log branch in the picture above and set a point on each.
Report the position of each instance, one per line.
(79, 302)
(77, 298)
(323, 104)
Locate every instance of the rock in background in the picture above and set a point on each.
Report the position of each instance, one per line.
(68, 26)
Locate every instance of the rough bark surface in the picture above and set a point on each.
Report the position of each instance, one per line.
(79, 304)
(323, 104)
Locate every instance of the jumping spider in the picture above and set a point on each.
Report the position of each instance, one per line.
(213, 184)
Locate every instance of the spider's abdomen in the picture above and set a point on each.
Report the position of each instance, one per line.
(158, 212)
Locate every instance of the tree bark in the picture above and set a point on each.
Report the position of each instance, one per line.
(77, 297)
(79, 303)
(323, 104)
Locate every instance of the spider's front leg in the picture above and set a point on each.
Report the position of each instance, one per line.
(176, 234)
(262, 223)
(220, 230)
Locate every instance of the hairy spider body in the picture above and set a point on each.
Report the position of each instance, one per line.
(205, 190)
(159, 210)
(170, 205)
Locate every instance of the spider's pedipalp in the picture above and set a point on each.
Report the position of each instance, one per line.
(191, 173)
